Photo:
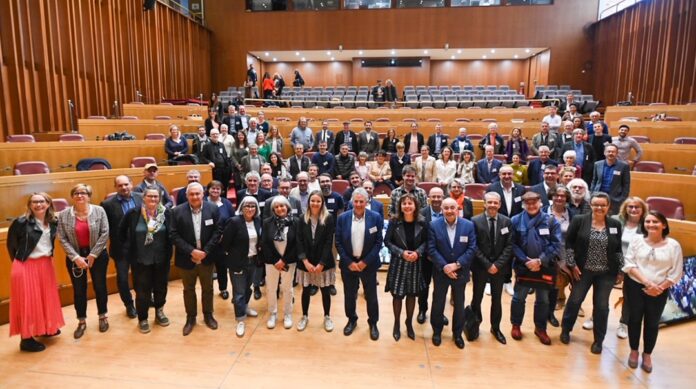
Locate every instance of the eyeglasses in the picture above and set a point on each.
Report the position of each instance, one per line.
(633, 206)
(38, 201)
(80, 194)
(249, 205)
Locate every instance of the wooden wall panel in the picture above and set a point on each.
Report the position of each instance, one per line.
(648, 49)
(400, 75)
(538, 71)
(560, 27)
(479, 72)
(93, 52)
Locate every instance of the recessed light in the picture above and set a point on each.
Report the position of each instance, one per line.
(297, 53)
(484, 57)
(328, 53)
(362, 62)
(333, 59)
(452, 57)
(392, 62)
(303, 58)
(275, 59)
(527, 51)
(516, 56)
(266, 54)
(459, 51)
(492, 51)
(425, 51)
(360, 52)
(393, 51)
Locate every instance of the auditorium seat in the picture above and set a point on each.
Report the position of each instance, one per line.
(685, 140)
(641, 138)
(434, 120)
(382, 119)
(657, 104)
(96, 117)
(672, 119)
(340, 186)
(31, 167)
(500, 157)
(649, 167)
(670, 207)
(475, 137)
(426, 186)
(163, 117)
(309, 154)
(60, 204)
(630, 119)
(475, 191)
(129, 117)
(71, 138)
(142, 161)
(22, 138)
(382, 189)
(465, 120)
(155, 136)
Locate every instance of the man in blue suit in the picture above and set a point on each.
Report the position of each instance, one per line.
(613, 177)
(488, 168)
(451, 246)
(372, 204)
(358, 241)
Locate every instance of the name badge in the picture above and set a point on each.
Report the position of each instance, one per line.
(220, 150)
(463, 239)
(209, 222)
(331, 201)
(504, 231)
(617, 173)
(401, 162)
(543, 231)
(326, 163)
(518, 199)
(494, 170)
(519, 172)
(262, 203)
(373, 230)
(613, 230)
(461, 213)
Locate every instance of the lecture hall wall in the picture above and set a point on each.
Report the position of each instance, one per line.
(561, 27)
(93, 52)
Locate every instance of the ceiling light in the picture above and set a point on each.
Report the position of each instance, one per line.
(303, 58)
(492, 51)
(392, 62)
(275, 59)
(266, 54)
(516, 56)
(459, 51)
(362, 62)
(484, 57)
(393, 51)
(297, 53)
(452, 57)
(360, 52)
(425, 51)
(333, 59)
(527, 51)
(328, 53)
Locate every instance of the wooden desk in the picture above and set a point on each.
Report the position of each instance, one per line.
(677, 186)
(658, 132)
(645, 112)
(678, 159)
(93, 128)
(15, 189)
(149, 111)
(63, 156)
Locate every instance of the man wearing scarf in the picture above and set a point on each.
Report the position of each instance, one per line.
(536, 243)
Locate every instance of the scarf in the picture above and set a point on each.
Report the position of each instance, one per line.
(280, 224)
(153, 224)
(533, 245)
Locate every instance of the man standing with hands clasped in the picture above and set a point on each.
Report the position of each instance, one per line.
(451, 246)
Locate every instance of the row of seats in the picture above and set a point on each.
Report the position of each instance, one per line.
(41, 167)
(28, 138)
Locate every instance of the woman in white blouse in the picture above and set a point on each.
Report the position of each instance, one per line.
(467, 167)
(653, 264)
(226, 139)
(362, 166)
(445, 167)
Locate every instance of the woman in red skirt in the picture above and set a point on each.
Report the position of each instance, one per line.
(34, 303)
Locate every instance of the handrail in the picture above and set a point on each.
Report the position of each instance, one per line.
(381, 103)
(615, 7)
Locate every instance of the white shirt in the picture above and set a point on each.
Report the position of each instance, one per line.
(554, 122)
(445, 172)
(451, 232)
(283, 244)
(196, 216)
(357, 235)
(43, 248)
(508, 199)
(253, 238)
(656, 264)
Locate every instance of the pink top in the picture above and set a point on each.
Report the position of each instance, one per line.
(82, 233)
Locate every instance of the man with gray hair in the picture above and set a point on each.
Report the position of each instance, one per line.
(584, 153)
(594, 118)
(253, 181)
(302, 135)
(493, 139)
(535, 168)
(488, 167)
(545, 138)
(192, 175)
(301, 191)
(253, 161)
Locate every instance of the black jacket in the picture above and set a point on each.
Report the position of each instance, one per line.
(578, 239)
(235, 242)
(488, 254)
(395, 238)
(114, 213)
(24, 235)
(341, 139)
(317, 249)
(268, 250)
(407, 141)
(127, 236)
(183, 235)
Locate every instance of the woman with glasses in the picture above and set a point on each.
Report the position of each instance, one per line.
(35, 308)
(316, 266)
(83, 230)
(654, 264)
(241, 242)
(145, 232)
(595, 261)
(467, 167)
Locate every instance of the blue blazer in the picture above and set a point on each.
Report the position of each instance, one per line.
(440, 251)
(375, 206)
(483, 175)
(373, 240)
(534, 171)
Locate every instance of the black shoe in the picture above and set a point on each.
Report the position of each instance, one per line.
(257, 294)
(131, 312)
(459, 341)
(52, 335)
(553, 321)
(374, 332)
(410, 332)
(531, 291)
(262, 283)
(31, 345)
(596, 348)
(445, 321)
(332, 290)
(396, 333)
(313, 290)
(210, 321)
(565, 337)
(224, 294)
(437, 339)
(499, 336)
(421, 317)
(188, 327)
(349, 328)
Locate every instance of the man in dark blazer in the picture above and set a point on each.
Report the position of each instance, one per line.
(493, 256)
(451, 246)
(613, 177)
(430, 213)
(284, 186)
(373, 204)
(348, 137)
(298, 162)
(437, 141)
(550, 182)
(253, 180)
(192, 175)
(507, 189)
(324, 135)
(194, 231)
(368, 140)
(487, 168)
(584, 154)
(241, 122)
(358, 242)
(230, 118)
(115, 208)
(535, 169)
(409, 137)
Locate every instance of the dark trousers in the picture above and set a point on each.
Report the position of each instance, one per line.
(222, 273)
(427, 271)
(204, 273)
(602, 284)
(644, 311)
(351, 282)
(98, 274)
(241, 289)
(441, 284)
(259, 275)
(122, 266)
(325, 300)
(541, 306)
(150, 280)
(480, 277)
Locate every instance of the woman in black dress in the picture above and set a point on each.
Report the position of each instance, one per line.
(406, 239)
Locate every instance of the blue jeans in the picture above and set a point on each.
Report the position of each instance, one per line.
(241, 289)
(601, 284)
(541, 306)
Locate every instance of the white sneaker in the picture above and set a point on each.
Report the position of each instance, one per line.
(302, 324)
(287, 321)
(588, 324)
(241, 328)
(488, 289)
(271, 323)
(509, 289)
(251, 313)
(622, 331)
(328, 324)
